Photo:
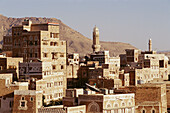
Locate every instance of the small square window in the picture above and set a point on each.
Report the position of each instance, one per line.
(62, 67)
(31, 99)
(31, 55)
(36, 43)
(51, 43)
(54, 66)
(11, 104)
(22, 98)
(36, 55)
(22, 104)
(45, 55)
(62, 43)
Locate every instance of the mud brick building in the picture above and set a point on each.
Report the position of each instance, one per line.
(145, 66)
(72, 69)
(27, 101)
(123, 103)
(72, 65)
(100, 103)
(61, 109)
(10, 65)
(39, 42)
(43, 53)
(71, 98)
(149, 98)
(51, 85)
(7, 88)
(38, 70)
(36, 42)
(7, 43)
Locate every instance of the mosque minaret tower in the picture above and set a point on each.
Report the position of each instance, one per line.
(96, 44)
(150, 45)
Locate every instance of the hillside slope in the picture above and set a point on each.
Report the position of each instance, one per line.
(76, 41)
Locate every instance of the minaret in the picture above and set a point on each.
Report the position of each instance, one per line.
(150, 45)
(96, 45)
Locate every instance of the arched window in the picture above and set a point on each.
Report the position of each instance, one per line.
(123, 104)
(93, 107)
(130, 103)
(31, 38)
(153, 111)
(116, 105)
(36, 38)
(143, 111)
(51, 43)
(108, 106)
(55, 43)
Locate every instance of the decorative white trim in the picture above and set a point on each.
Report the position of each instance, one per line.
(23, 108)
(153, 109)
(129, 103)
(123, 103)
(108, 103)
(26, 92)
(116, 103)
(143, 109)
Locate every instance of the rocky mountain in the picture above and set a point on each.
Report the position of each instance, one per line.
(76, 41)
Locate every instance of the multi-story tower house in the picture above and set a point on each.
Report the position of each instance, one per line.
(7, 88)
(39, 42)
(36, 42)
(96, 45)
(72, 69)
(7, 43)
(27, 101)
(10, 65)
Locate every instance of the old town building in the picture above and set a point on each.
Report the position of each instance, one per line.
(119, 103)
(72, 65)
(101, 103)
(149, 98)
(44, 54)
(7, 43)
(7, 88)
(39, 70)
(143, 67)
(52, 86)
(62, 109)
(41, 77)
(27, 101)
(7, 46)
(36, 42)
(71, 98)
(99, 66)
(10, 65)
(39, 42)
(72, 69)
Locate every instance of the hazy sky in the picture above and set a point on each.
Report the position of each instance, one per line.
(130, 21)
